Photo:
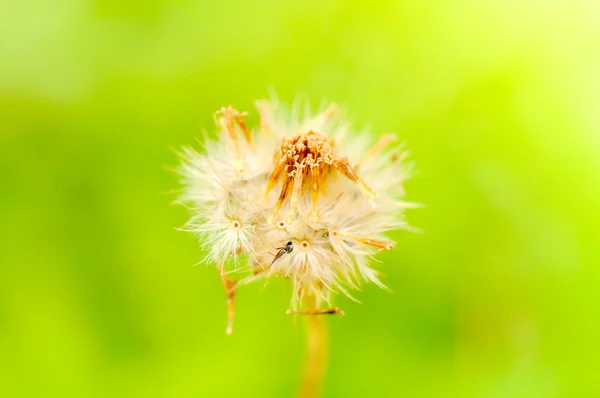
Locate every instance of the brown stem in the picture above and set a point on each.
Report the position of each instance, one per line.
(315, 362)
(229, 285)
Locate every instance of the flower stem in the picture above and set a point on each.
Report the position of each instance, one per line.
(315, 362)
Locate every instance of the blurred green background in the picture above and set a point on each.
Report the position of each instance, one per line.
(499, 103)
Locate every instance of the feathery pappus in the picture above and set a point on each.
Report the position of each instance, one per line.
(301, 196)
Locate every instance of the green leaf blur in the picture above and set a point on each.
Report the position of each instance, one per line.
(499, 103)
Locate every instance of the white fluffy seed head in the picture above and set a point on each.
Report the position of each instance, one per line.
(310, 181)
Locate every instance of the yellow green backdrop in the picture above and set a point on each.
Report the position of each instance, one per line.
(499, 103)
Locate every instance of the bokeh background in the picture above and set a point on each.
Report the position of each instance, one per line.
(499, 103)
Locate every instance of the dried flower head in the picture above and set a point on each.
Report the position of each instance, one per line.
(305, 198)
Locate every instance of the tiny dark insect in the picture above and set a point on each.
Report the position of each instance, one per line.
(287, 248)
